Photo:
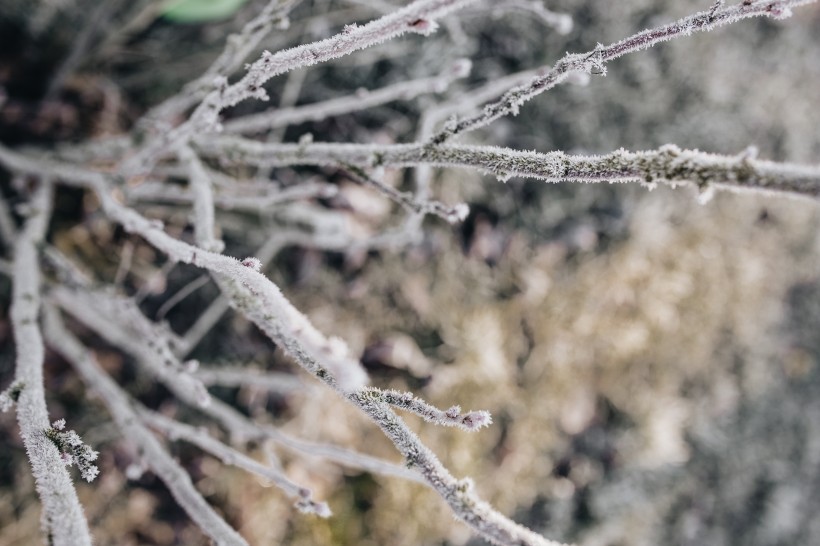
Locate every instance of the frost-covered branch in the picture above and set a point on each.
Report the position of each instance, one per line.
(62, 515)
(151, 451)
(668, 164)
(418, 17)
(594, 62)
(200, 438)
(120, 322)
(362, 100)
(458, 494)
(73, 450)
(243, 196)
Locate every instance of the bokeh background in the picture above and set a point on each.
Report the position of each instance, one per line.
(651, 362)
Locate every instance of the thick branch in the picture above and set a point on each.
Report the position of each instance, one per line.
(667, 164)
(62, 518)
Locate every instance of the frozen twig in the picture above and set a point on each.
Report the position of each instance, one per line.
(152, 453)
(73, 450)
(455, 214)
(594, 62)
(452, 417)
(120, 322)
(257, 198)
(200, 438)
(668, 163)
(108, 327)
(62, 515)
(458, 494)
(181, 294)
(418, 17)
(361, 100)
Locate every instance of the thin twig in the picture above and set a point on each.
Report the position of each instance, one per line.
(593, 62)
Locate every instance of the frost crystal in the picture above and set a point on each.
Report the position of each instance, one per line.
(252, 263)
(73, 450)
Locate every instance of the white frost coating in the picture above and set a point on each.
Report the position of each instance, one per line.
(62, 516)
(252, 294)
(152, 453)
(452, 417)
(271, 311)
(200, 185)
(237, 48)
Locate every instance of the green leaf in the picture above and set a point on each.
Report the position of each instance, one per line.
(200, 11)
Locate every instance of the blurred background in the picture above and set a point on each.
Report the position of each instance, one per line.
(651, 362)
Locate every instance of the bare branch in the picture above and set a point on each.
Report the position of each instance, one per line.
(452, 215)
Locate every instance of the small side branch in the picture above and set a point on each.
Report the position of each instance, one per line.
(452, 417)
(228, 455)
(361, 100)
(453, 215)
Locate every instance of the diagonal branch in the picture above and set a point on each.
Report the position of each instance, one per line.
(593, 62)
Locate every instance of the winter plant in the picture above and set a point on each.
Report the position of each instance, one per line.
(208, 137)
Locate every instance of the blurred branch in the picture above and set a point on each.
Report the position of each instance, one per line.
(200, 438)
